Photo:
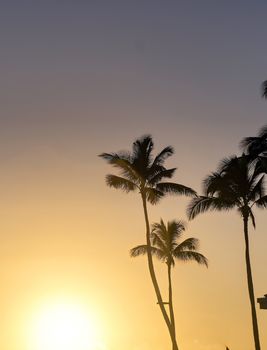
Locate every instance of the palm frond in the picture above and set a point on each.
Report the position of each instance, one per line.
(257, 188)
(167, 173)
(247, 142)
(112, 158)
(174, 188)
(120, 183)
(261, 202)
(260, 163)
(163, 155)
(143, 249)
(202, 204)
(142, 154)
(165, 236)
(175, 229)
(188, 244)
(122, 161)
(255, 146)
(227, 163)
(109, 156)
(138, 250)
(213, 183)
(159, 243)
(193, 256)
(159, 229)
(127, 170)
(153, 195)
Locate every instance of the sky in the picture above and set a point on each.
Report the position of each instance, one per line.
(79, 78)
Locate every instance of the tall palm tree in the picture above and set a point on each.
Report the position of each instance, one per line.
(165, 247)
(237, 184)
(139, 171)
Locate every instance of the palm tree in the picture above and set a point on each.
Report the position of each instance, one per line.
(237, 184)
(139, 171)
(166, 248)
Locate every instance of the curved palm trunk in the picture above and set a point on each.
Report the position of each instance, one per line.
(171, 303)
(154, 279)
(251, 288)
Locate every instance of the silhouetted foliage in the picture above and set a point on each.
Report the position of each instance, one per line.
(166, 247)
(256, 149)
(238, 183)
(140, 171)
(256, 146)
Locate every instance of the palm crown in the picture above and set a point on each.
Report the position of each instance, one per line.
(165, 245)
(237, 183)
(139, 171)
(256, 145)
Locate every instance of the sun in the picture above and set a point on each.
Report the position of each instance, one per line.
(64, 326)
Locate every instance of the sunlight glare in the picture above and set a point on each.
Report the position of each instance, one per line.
(65, 326)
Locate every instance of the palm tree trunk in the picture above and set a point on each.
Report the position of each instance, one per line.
(251, 288)
(171, 303)
(154, 279)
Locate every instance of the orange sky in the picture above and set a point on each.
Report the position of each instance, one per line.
(65, 233)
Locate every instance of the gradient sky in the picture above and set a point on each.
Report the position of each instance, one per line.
(82, 77)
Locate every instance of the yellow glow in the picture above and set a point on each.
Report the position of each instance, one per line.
(64, 326)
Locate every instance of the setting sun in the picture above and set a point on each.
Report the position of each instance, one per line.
(64, 326)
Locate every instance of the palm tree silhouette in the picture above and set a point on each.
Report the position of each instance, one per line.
(237, 184)
(165, 247)
(139, 171)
